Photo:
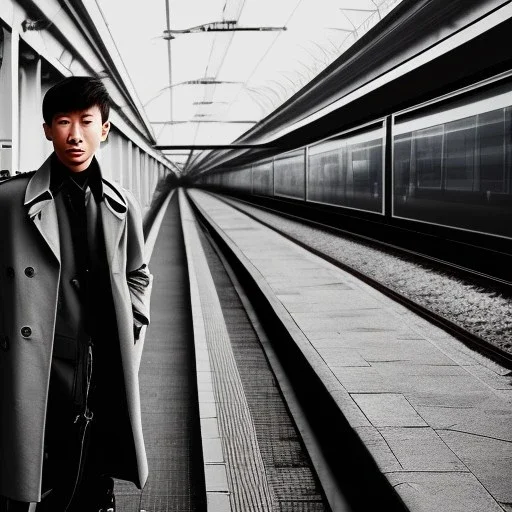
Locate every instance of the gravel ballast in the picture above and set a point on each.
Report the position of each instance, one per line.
(481, 311)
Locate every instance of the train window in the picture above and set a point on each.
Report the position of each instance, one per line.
(289, 175)
(491, 151)
(508, 151)
(403, 173)
(238, 179)
(427, 156)
(347, 171)
(459, 151)
(365, 166)
(262, 179)
(452, 162)
(326, 177)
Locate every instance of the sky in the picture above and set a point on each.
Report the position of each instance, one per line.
(255, 71)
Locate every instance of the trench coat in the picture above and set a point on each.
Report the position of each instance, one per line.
(29, 287)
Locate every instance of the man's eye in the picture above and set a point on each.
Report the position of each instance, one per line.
(63, 121)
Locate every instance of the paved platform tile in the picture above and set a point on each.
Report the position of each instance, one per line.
(421, 449)
(352, 413)
(212, 451)
(491, 418)
(388, 410)
(355, 339)
(412, 351)
(216, 478)
(490, 459)
(379, 448)
(343, 321)
(443, 492)
(209, 428)
(436, 397)
(342, 356)
(363, 379)
(219, 502)
(432, 384)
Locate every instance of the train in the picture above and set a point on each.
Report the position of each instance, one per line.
(429, 149)
(450, 164)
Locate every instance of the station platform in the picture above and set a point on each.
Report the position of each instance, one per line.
(432, 417)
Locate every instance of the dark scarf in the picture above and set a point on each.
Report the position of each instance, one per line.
(76, 182)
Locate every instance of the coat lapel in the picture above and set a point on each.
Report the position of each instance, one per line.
(113, 214)
(43, 213)
(41, 208)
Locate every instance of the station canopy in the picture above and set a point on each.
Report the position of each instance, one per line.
(207, 71)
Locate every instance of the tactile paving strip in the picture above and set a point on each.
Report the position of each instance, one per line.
(239, 473)
(287, 466)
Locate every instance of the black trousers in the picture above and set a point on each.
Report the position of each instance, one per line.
(74, 478)
(80, 455)
(67, 493)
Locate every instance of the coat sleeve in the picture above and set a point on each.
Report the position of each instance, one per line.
(138, 277)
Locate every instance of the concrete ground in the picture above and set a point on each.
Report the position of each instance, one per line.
(435, 416)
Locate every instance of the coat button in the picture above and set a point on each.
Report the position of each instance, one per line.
(9, 272)
(26, 332)
(4, 342)
(29, 272)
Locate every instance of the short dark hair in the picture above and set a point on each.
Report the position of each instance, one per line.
(76, 93)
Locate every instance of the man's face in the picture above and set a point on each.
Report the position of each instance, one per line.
(76, 136)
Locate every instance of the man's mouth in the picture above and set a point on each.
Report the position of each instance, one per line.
(75, 151)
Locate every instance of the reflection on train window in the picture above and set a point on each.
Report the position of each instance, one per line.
(460, 137)
(289, 175)
(428, 146)
(263, 179)
(456, 173)
(326, 177)
(239, 179)
(348, 171)
(491, 150)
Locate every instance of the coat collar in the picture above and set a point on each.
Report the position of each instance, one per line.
(114, 195)
(42, 211)
(38, 192)
(38, 188)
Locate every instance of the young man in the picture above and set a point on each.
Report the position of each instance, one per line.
(74, 301)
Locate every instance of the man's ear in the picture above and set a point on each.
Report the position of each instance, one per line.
(105, 128)
(47, 131)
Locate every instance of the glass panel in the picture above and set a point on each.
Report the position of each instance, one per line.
(365, 169)
(402, 167)
(428, 146)
(326, 177)
(289, 176)
(508, 156)
(262, 179)
(491, 151)
(239, 179)
(456, 173)
(460, 154)
(348, 172)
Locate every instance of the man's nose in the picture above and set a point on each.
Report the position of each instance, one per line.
(75, 134)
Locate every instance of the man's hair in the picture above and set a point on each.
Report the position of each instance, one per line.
(76, 93)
